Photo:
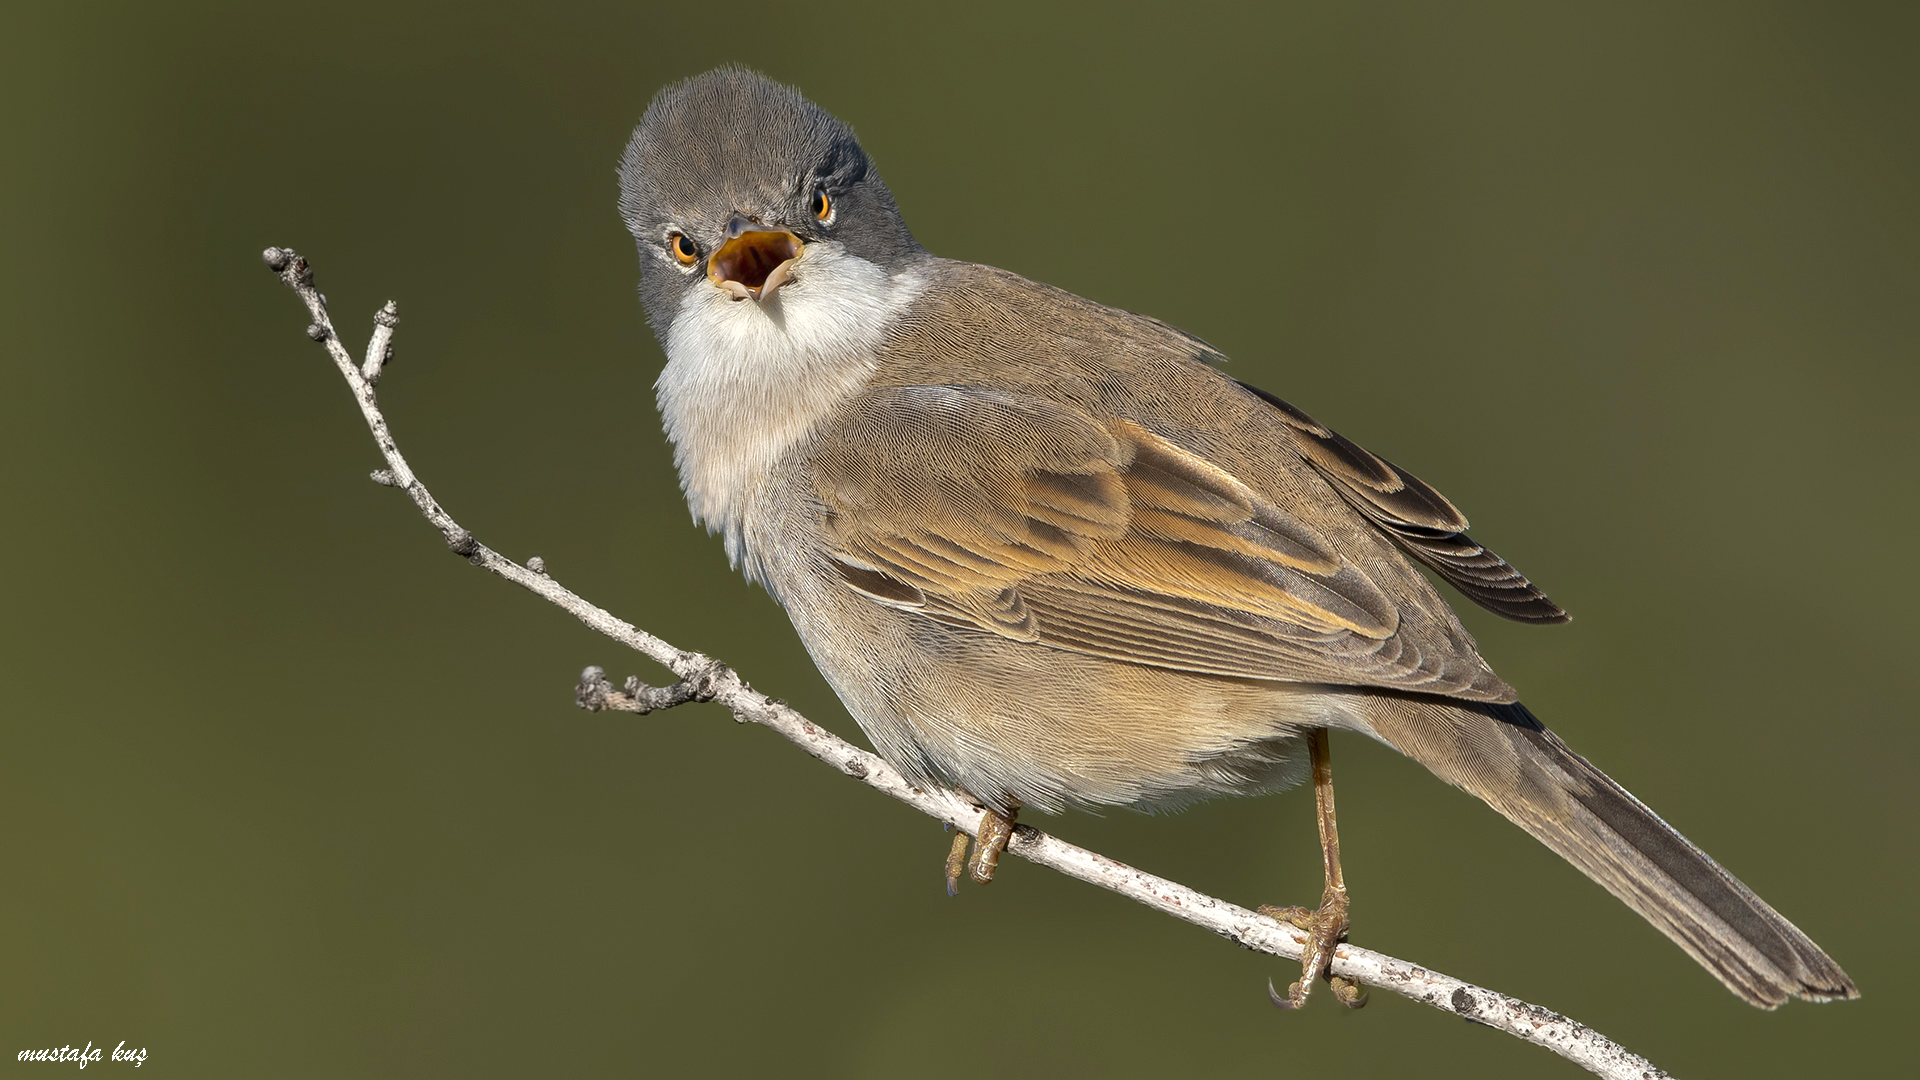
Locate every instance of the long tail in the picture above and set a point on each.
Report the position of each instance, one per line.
(1506, 757)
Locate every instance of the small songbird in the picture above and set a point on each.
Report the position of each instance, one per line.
(1048, 555)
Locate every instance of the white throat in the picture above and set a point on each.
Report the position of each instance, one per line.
(746, 381)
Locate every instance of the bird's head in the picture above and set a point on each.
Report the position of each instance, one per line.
(737, 189)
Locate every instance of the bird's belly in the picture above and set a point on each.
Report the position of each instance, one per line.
(1020, 724)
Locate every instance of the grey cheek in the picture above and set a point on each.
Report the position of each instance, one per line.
(662, 292)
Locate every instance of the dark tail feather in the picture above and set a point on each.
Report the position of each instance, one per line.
(1506, 757)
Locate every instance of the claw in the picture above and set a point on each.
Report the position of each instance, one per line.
(1347, 992)
(1288, 1001)
(995, 831)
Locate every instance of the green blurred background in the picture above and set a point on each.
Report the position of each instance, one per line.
(291, 791)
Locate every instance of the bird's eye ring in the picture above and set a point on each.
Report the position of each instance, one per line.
(822, 205)
(683, 249)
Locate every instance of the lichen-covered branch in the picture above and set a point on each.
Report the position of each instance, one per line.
(701, 678)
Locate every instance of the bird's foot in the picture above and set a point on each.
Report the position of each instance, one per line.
(995, 831)
(1326, 928)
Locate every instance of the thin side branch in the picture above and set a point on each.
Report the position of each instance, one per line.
(702, 678)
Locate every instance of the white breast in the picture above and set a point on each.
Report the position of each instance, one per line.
(746, 381)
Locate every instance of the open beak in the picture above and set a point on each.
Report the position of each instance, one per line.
(755, 260)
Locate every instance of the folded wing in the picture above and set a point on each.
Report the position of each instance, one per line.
(1096, 535)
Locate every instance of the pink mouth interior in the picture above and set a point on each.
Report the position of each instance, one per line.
(750, 257)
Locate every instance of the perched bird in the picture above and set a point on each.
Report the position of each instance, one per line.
(1048, 555)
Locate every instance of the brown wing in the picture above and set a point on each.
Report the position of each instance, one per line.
(1418, 518)
(1103, 538)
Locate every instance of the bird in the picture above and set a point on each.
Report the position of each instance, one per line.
(1049, 555)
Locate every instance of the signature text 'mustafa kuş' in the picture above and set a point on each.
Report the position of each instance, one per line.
(86, 1056)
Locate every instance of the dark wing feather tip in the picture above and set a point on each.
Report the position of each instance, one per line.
(1420, 520)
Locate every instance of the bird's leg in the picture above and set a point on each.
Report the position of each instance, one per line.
(1326, 927)
(995, 830)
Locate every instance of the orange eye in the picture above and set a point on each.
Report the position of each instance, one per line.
(822, 206)
(684, 250)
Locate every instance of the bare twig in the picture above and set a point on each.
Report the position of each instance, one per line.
(701, 678)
